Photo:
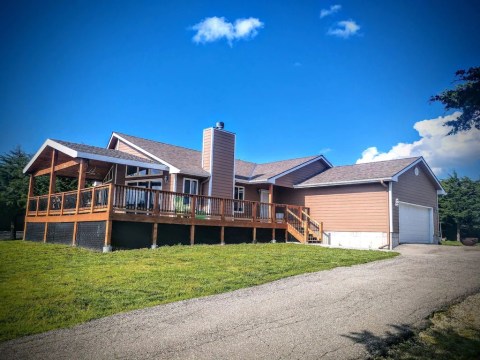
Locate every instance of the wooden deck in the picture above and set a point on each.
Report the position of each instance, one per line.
(134, 204)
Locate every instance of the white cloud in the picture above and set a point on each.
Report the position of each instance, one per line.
(441, 152)
(332, 10)
(216, 28)
(344, 29)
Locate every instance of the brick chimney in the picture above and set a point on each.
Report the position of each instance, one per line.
(218, 159)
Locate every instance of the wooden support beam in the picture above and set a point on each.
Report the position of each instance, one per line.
(273, 234)
(45, 232)
(286, 235)
(192, 234)
(154, 235)
(222, 209)
(57, 167)
(74, 236)
(254, 235)
(31, 186)
(108, 233)
(222, 235)
(82, 174)
(51, 184)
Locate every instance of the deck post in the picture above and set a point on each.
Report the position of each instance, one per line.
(92, 200)
(286, 235)
(51, 184)
(31, 186)
(222, 235)
(192, 234)
(82, 173)
(273, 236)
(254, 235)
(222, 209)
(154, 236)
(107, 247)
(74, 236)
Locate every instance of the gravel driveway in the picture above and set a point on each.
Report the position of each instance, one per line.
(338, 314)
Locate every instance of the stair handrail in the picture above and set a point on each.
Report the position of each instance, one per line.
(314, 222)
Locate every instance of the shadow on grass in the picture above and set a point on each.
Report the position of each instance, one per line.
(432, 343)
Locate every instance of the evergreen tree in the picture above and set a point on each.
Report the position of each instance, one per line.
(13, 185)
(461, 204)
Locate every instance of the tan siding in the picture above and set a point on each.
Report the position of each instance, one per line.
(301, 174)
(223, 161)
(121, 146)
(207, 149)
(414, 189)
(347, 208)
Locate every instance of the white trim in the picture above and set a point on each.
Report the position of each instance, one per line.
(174, 182)
(76, 154)
(243, 200)
(421, 160)
(321, 157)
(348, 182)
(196, 180)
(210, 182)
(390, 215)
(173, 169)
(407, 203)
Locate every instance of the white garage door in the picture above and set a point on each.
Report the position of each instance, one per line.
(415, 224)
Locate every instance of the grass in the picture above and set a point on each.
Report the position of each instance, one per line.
(47, 286)
(452, 334)
(451, 243)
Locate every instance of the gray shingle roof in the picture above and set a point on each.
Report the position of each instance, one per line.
(94, 150)
(263, 172)
(359, 172)
(188, 161)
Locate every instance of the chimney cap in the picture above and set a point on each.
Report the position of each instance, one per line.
(219, 125)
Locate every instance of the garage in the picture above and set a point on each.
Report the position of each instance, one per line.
(416, 224)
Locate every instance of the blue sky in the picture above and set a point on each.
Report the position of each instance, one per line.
(289, 79)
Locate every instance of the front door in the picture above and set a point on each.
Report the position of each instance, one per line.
(263, 207)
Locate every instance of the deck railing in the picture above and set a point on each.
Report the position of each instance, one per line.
(142, 201)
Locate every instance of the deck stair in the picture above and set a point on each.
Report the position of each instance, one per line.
(303, 228)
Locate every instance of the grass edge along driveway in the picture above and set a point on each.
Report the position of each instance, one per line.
(46, 286)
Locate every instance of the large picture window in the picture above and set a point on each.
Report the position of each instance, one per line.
(138, 199)
(239, 194)
(140, 171)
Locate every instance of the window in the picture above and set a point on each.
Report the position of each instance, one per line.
(190, 186)
(140, 171)
(138, 198)
(239, 194)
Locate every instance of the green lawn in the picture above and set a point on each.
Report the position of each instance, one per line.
(451, 243)
(46, 286)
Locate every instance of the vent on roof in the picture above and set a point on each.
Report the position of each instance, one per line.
(219, 125)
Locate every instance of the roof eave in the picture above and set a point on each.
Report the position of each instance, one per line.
(340, 183)
(173, 169)
(420, 160)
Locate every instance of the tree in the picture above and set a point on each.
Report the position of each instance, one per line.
(465, 97)
(461, 204)
(13, 185)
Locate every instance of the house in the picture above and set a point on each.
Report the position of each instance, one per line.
(147, 193)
